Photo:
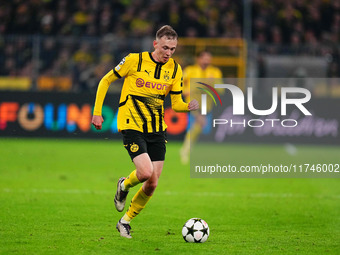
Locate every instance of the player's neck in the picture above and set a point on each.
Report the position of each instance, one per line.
(155, 58)
(203, 67)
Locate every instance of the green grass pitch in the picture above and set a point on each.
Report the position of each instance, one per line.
(56, 197)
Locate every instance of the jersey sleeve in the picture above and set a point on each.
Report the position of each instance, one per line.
(125, 66)
(177, 85)
(186, 80)
(103, 86)
(176, 93)
(122, 69)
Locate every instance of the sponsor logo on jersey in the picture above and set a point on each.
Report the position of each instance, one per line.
(120, 64)
(152, 85)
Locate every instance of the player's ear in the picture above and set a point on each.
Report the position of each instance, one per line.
(155, 43)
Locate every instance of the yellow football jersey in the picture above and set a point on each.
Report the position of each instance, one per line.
(195, 71)
(145, 87)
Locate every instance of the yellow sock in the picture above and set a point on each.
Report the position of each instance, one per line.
(131, 181)
(186, 143)
(191, 137)
(195, 132)
(126, 219)
(137, 204)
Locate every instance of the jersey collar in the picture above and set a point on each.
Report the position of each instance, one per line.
(158, 63)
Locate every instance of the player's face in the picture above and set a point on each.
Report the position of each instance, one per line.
(204, 60)
(164, 48)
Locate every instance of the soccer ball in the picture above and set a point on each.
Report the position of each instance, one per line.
(195, 230)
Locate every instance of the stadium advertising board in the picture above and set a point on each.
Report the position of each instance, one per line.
(68, 115)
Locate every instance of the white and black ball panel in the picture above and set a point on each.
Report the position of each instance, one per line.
(204, 238)
(189, 239)
(184, 231)
(195, 230)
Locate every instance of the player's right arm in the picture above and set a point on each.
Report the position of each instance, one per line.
(118, 72)
(103, 86)
(177, 103)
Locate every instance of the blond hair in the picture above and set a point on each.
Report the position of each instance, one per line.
(166, 31)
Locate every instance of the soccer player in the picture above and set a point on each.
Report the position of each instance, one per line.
(149, 78)
(202, 69)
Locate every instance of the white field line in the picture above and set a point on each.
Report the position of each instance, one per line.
(58, 191)
(172, 193)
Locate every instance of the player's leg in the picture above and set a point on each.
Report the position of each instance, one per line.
(156, 155)
(135, 144)
(144, 194)
(156, 151)
(154, 160)
(185, 149)
(140, 199)
(151, 184)
(144, 170)
(192, 136)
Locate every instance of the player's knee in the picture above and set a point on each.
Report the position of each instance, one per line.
(150, 187)
(144, 176)
(144, 173)
(153, 185)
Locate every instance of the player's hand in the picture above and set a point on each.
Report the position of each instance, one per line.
(193, 105)
(97, 121)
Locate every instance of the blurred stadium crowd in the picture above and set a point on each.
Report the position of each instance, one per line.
(279, 21)
(203, 18)
(50, 31)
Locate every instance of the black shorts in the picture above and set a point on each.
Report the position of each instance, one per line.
(153, 144)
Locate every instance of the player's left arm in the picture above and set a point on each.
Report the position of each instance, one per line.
(177, 102)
